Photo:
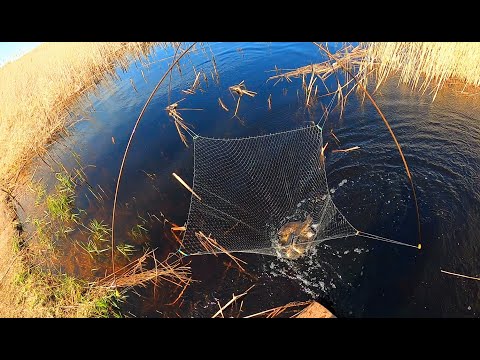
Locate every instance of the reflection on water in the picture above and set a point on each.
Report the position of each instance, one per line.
(355, 277)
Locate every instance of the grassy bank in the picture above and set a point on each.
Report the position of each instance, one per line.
(427, 66)
(37, 91)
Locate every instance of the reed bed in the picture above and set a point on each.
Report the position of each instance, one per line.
(424, 65)
(37, 89)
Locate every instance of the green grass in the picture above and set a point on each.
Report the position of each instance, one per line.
(126, 250)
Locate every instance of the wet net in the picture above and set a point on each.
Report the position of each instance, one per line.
(264, 194)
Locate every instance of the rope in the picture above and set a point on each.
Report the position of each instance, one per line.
(380, 238)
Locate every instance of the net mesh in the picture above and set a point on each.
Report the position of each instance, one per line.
(255, 190)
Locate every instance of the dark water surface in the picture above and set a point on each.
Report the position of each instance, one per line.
(354, 277)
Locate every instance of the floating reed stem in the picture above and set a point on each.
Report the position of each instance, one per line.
(460, 275)
(222, 105)
(212, 246)
(234, 298)
(347, 150)
(240, 90)
(186, 186)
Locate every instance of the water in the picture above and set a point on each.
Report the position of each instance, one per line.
(354, 277)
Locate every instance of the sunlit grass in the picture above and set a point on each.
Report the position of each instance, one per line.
(37, 89)
(425, 65)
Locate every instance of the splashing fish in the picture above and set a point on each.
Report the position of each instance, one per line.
(296, 237)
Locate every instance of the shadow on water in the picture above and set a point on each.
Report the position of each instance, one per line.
(355, 277)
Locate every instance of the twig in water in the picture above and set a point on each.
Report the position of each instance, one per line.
(234, 298)
(322, 152)
(240, 90)
(335, 137)
(222, 105)
(212, 246)
(178, 228)
(186, 186)
(276, 311)
(347, 150)
(180, 124)
(460, 275)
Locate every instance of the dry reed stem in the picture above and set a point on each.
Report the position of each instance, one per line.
(120, 172)
(335, 136)
(276, 311)
(194, 86)
(322, 152)
(348, 55)
(460, 275)
(178, 228)
(180, 294)
(186, 186)
(240, 89)
(222, 105)
(212, 246)
(424, 65)
(234, 298)
(365, 91)
(347, 150)
(135, 274)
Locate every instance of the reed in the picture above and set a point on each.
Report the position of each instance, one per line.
(425, 65)
(37, 89)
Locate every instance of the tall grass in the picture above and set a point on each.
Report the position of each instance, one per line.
(37, 89)
(425, 65)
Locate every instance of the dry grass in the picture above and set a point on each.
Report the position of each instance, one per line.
(212, 246)
(277, 311)
(347, 57)
(37, 89)
(139, 273)
(425, 66)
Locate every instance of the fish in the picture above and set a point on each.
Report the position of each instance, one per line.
(295, 237)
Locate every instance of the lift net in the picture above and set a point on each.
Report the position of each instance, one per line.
(262, 194)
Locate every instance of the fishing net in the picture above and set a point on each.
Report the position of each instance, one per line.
(264, 194)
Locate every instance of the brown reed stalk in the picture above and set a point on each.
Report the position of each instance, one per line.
(361, 86)
(130, 141)
(212, 246)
